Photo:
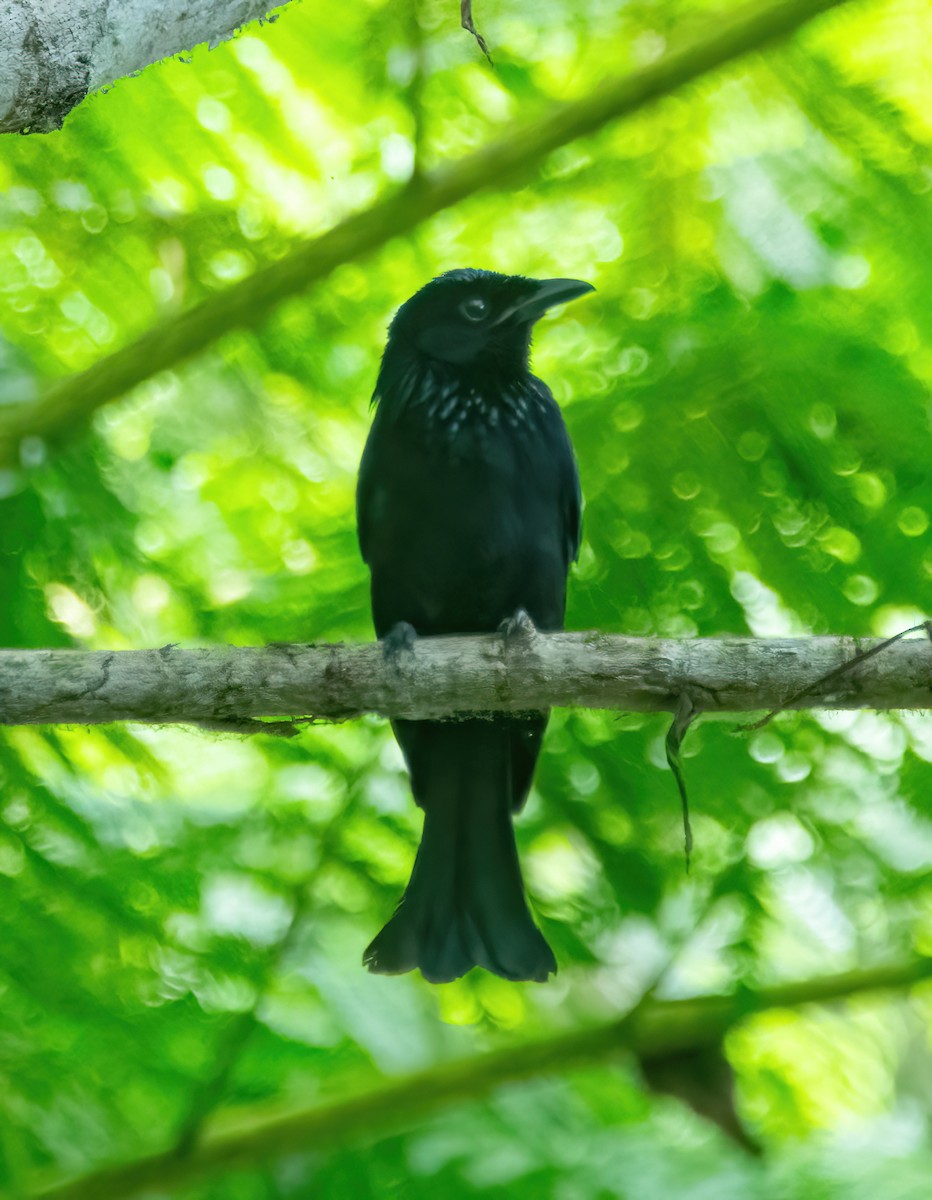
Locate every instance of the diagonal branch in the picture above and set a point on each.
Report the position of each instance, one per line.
(228, 687)
(653, 1030)
(68, 404)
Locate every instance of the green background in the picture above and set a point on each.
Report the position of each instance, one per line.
(182, 914)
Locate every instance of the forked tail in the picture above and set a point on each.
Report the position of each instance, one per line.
(464, 905)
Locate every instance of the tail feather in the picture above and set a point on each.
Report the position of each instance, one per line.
(464, 905)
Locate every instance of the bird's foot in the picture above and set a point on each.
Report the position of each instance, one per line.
(398, 642)
(518, 628)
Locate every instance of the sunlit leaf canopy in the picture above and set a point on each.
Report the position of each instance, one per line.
(183, 913)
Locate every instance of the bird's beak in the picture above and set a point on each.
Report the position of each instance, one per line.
(546, 293)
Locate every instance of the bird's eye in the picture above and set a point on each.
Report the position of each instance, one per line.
(474, 309)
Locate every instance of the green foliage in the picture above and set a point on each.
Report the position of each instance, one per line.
(183, 913)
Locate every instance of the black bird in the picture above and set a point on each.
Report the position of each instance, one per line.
(469, 517)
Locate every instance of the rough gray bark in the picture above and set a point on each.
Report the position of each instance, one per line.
(226, 685)
(53, 52)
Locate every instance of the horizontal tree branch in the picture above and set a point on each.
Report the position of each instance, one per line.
(68, 404)
(228, 687)
(655, 1029)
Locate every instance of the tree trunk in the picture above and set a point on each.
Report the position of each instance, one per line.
(53, 52)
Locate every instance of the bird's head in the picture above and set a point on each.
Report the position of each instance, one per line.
(477, 321)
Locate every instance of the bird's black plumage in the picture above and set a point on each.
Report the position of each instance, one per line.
(469, 511)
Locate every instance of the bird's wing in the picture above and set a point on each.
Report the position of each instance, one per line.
(365, 489)
(567, 472)
(573, 511)
(570, 491)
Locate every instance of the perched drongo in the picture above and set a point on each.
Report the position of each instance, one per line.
(469, 517)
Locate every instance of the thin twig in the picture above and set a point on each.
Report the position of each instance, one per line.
(470, 27)
(683, 716)
(817, 687)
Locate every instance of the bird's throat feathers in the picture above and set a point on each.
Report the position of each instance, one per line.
(415, 390)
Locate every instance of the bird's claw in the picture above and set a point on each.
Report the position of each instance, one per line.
(398, 641)
(518, 628)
